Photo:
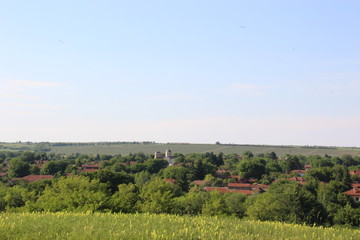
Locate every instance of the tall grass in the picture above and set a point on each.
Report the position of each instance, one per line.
(149, 226)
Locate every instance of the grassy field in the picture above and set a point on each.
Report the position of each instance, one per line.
(125, 149)
(148, 226)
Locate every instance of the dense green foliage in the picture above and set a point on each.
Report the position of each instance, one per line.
(136, 183)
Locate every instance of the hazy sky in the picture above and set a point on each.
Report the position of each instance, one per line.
(247, 72)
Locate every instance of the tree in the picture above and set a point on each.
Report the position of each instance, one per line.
(111, 179)
(251, 169)
(215, 204)
(75, 194)
(52, 167)
(235, 204)
(15, 197)
(247, 155)
(18, 168)
(126, 199)
(291, 162)
(141, 178)
(348, 216)
(199, 170)
(155, 165)
(180, 174)
(158, 196)
(28, 157)
(191, 203)
(271, 155)
(288, 202)
(332, 198)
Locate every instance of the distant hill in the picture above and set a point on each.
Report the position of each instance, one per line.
(125, 148)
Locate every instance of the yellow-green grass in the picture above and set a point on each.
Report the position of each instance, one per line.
(125, 149)
(149, 226)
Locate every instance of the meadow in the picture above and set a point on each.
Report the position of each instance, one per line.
(150, 226)
(184, 148)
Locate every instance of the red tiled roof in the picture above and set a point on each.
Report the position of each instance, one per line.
(200, 182)
(247, 192)
(354, 172)
(239, 185)
(227, 190)
(307, 166)
(298, 171)
(219, 189)
(297, 179)
(261, 186)
(92, 166)
(2, 174)
(353, 192)
(34, 178)
(90, 170)
(169, 180)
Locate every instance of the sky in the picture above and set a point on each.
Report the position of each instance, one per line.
(242, 72)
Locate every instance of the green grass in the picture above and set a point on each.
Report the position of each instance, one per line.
(149, 226)
(125, 149)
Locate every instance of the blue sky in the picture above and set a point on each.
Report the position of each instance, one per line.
(247, 72)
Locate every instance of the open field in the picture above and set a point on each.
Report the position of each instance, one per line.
(149, 226)
(126, 148)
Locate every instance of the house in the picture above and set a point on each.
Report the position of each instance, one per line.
(354, 173)
(170, 180)
(33, 178)
(299, 180)
(240, 186)
(307, 167)
(40, 163)
(227, 190)
(354, 193)
(299, 172)
(200, 182)
(222, 174)
(95, 167)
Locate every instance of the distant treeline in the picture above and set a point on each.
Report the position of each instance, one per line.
(63, 144)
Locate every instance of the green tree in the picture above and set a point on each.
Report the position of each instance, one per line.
(191, 203)
(215, 204)
(180, 174)
(75, 194)
(157, 196)
(288, 202)
(141, 178)
(291, 162)
(235, 204)
(111, 179)
(52, 167)
(126, 199)
(28, 157)
(18, 168)
(251, 169)
(348, 216)
(155, 165)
